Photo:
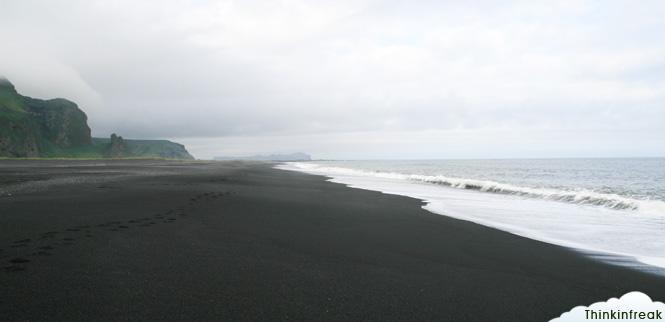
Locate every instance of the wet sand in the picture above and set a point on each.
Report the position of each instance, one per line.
(156, 240)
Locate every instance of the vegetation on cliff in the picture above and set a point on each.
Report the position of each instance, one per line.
(35, 128)
(116, 147)
(32, 127)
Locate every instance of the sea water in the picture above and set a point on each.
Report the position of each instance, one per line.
(611, 209)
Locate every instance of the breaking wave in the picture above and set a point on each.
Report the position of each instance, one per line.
(578, 196)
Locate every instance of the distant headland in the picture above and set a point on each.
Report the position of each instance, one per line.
(58, 128)
(298, 156)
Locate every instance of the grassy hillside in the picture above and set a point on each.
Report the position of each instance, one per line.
(19, 132)
(57, 128)
(147, 148)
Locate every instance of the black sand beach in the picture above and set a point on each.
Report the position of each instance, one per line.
(156, 240)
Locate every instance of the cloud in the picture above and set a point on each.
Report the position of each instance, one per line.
(433, 144)
(221, 69)
(634, 302)
(43, 76)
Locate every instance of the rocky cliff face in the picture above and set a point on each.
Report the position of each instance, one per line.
(117, 147)
(63, 123)
(32, 127)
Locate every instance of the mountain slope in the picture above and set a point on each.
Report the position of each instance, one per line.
(32, 127)
(119, 147)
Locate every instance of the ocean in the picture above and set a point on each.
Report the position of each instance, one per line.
(610, 209)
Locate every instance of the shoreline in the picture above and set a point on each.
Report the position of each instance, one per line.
(435, 198)
(243, 241)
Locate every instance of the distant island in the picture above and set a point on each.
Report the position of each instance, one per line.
(298, 156)
(57, 128)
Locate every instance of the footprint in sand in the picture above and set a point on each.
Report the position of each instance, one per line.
(19, 260)
(14, 268)
(49, 234)
(21, 243)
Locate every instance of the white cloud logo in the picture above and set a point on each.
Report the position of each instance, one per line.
(633, 306)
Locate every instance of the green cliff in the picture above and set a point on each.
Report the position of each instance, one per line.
(36, 128)
(32, 127)
(116, 147)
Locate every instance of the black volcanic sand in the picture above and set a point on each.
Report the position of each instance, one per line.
(157, 240)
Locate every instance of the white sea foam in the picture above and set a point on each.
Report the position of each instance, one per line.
(578, 196)
(616, 229)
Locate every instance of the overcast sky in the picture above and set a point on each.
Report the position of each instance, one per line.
(353, 79)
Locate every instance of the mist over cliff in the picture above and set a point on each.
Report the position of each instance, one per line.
(31, 127)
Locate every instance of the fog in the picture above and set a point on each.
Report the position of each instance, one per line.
(353, 79)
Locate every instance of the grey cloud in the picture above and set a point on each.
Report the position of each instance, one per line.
(217, 70)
